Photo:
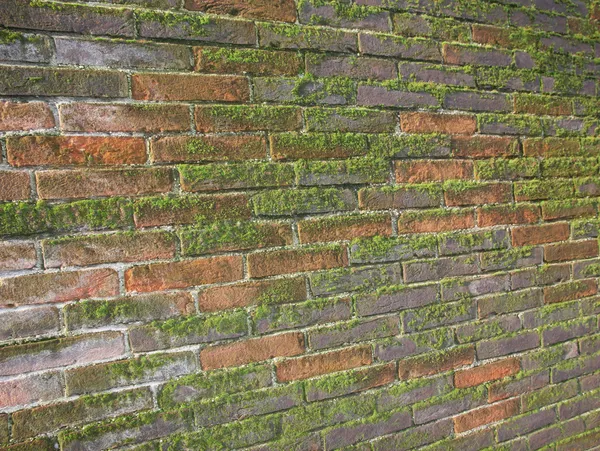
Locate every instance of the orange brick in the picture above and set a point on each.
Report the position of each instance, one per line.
(485, 373)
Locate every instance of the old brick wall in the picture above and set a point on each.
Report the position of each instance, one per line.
(268, 225)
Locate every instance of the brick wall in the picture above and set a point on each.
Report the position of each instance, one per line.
(268, 225)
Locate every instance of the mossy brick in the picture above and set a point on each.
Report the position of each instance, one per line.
(454, 289)
(29, 323)
(570, 208)
(374, 96)
(461, 243)
(287, 36)
(234, 235)
(409, 146)
(443, 29)
(412, 195)
(253, 61)
(342, 15)
(509, 302)
(395, 297)
(41, 420)
(237, 406)
(350, 120)
(309, 146)
(569, 167)
(451, 403)
(506, 169)
(350, 171)
(141, 369)
(195, 27)
(344, 227)
(129, 309)
(399, 47)
(553, 147)
(353, 331)
(245, 118)
(189, 209)
(379, 249)
(305, 90)
(542, 190)
(361, 67)
(186, 149)
(270, 318)
(354, 279)
(307, 200)
(40, 81)
(177, 332)
(126, 430)
(480, 330)
(438, 315)
(511, 258)
(514, 124)
(213, 384)
(344, 383)
(21, 47)
(217, 177)
(70, 18)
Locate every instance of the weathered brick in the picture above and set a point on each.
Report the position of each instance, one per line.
(485, 373)
(170, 87)
(25, 116)
(58, 287)
(75, 150)
(31, 388)
(28, 323)
(436, 363)
(180, 149)
(416, 171)
(315, 365)
(282, 10)
(438, 123)
(253, 350)
(486, 415)
(104, 117)
(182, 274)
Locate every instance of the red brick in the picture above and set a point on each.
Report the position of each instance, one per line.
(58, 287)
(79, 184)
(540, 234)
(571, 251)
(31, 389)
(104, 117)
(253, 350)
(282, 10)
(484, 146)
(218, 88)
(208, 148)
(183, 274)
(570, 290)
(345, 228)
(258, 62)
(550, 147)
(75, 150)
(296, 260)
(14, 185)
(490, 35)
(119, 247)
(15, 255)
(432, 170)
(458, 124)
(507, 214)
(486, 415)
(478, 194)
(252, 293)
(330, 362)
(425, 366)
(425, 223)
(485, 373)
(25, 116)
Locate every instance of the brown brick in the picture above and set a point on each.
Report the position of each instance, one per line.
(119, 247)
(15, 255)
(58, 287)
(486, 415)
(570, 290)
(252, 293)
(31, 389)
(282, 10)
(484, 146)
(218, 88)
(251, 118)
(252, 350)
(485, 373)
(571, 251)
(178, 149)
(79, 184)
(14, 185)
(183, 274)
(458, 124)
(75, 150)
(253, 61)
(343, 228)
(425, 223)
(477, 194)
(272, 263)
(540, 234)
(446, 360)
(25, 116)
(416, 171)
(104, 117)
(507, 214)
(330, 362)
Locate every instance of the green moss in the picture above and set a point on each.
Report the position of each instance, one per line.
(309, 200)
(235, 321)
